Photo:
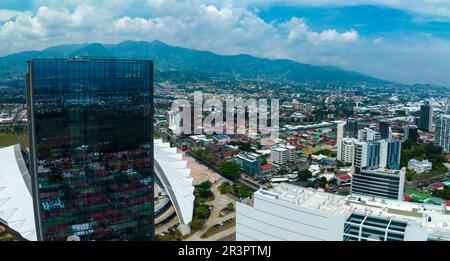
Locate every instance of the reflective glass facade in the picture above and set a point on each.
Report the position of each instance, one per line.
(91, 125)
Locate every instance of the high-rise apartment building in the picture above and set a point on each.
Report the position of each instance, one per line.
(91, 144)
(426, 117)
(340, 129)
(411, 133)
(368, 134)
(385, 129)
(352, 127)
(442, 137)
(282, 154)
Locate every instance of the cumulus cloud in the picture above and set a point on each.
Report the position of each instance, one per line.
(298, 30)
(225, 27)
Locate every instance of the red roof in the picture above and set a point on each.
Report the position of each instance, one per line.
(407, 197)
(344, 178)
(266, 167)
(437, 185)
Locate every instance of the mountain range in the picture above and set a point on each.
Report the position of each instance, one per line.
(172, 59)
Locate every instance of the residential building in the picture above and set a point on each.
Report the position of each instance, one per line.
(293, 213)
(420, 166)
(379, 183)
(339, 137)
(385, 129)
(411, 133)
(347, 150)
(282, 154)
(352, 127)
(367, 134)
(442, 137)
(393, 155)
(91, 148)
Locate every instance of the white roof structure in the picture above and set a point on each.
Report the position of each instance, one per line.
(16, 202)
(173, 173)
(415, 214)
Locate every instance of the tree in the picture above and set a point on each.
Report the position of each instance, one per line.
(225, 188)
(204, 189)
(283, 171)
(322, 182)
(444, 193)
(304, 175)
(202, 211)
(197, 223)
(242, 191)
(230, 169)
(230, 206)
(264, 161)
(410, 175)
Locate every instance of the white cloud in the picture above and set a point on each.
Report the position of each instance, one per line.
(298, 30)
(225, 27)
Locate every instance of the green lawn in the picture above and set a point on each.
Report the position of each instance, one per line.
(419, 194)
(7, 139)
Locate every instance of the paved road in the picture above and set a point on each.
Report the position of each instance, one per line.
(219, 203)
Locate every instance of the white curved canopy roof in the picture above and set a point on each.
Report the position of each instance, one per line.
(16, 203)
(173, 173)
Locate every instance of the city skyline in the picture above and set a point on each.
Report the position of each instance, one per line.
(399, 40)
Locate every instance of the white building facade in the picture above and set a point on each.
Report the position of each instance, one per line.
(293, 213)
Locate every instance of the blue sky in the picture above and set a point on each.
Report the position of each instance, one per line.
(401, 40)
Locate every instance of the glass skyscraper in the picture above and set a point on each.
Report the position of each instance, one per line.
(91, 144)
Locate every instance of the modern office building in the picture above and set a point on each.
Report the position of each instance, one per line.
(250, 163)
(385, 129)
(442, 137)
(352, 127)
(379, 183)
(91, 148)
(426, 117)
(420, 166)
(294, 213)
(411, 133)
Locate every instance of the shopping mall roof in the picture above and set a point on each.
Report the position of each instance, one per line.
(416, 214)
(173, 173)
(16, 202)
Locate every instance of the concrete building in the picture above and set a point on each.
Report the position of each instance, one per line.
(339, 137)
(352, 127)
(250, 163)
(385, 129)
(347, 150)
(367, 134)
(420, 166)
(411, 133)
(282, 154)
(426, 117)
(442, 137)
(293, 213)
(379, 183)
